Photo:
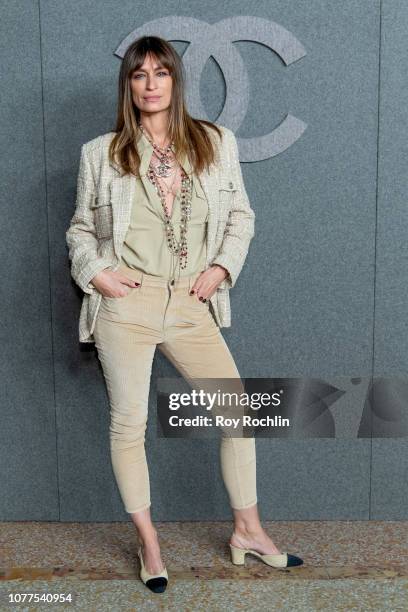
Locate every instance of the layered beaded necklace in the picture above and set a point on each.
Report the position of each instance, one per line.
(165, 169)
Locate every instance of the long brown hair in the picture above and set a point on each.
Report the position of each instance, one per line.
(189, 135)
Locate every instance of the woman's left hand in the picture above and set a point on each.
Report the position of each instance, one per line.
(206, 284)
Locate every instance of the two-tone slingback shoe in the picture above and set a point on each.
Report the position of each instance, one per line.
(282, 560)
(155, 582)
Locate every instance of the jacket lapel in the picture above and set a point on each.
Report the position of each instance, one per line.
(123, 192)
(209, 184)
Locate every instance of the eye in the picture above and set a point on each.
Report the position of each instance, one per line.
(141, 74)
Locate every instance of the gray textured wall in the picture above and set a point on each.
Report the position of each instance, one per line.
(323, 292)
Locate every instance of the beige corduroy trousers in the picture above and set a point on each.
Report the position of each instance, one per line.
(126, 333)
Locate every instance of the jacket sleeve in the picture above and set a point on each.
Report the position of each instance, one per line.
(81, 235)
(241, 222)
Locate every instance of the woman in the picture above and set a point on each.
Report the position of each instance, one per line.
(160, 233)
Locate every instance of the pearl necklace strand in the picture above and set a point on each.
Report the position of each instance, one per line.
(163, 169)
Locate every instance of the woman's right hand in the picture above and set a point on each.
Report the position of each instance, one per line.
(113, 284)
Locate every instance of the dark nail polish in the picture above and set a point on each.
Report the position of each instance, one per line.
(201, 298)
(191, 292)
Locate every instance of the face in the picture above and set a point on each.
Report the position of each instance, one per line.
(151, 86)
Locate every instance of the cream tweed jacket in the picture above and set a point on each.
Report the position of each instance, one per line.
(102, 215)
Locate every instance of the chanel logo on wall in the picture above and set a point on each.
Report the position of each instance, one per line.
(217, 40)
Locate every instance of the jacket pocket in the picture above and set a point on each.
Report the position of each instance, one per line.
(103, 218)
(226, 187)
(226, 191)
(221, 229)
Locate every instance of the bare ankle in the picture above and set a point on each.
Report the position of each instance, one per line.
(248, 531)
(149, 538)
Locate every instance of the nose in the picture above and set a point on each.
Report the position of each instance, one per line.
(151, 81)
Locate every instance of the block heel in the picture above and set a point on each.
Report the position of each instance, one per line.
(237, 555)
(277, 561)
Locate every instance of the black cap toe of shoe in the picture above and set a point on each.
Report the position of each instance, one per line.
(157, 585)
(293, 560)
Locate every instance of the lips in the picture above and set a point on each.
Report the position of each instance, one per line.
(152, 98)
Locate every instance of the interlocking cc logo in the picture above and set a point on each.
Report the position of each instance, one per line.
(217, 40)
